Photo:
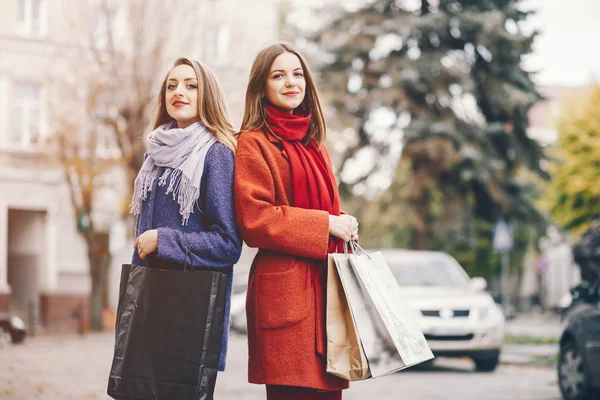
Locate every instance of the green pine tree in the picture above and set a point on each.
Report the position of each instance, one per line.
(439, 93)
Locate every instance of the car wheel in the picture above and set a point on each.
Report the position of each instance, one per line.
(5, 338)
(486, 364)
(572, 379)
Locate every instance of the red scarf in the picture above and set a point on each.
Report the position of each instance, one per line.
(312, 177)
(314, 188)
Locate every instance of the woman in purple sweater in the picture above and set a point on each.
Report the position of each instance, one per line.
(183, 194)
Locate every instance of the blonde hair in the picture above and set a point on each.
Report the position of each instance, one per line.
(254, 110)
(212, 108)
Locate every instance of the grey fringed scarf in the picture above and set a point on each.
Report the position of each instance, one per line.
(182, 152)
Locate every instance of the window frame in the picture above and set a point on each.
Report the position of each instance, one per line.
(27, 107)
(24, 22)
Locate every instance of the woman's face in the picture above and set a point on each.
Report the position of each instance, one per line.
(285, 84)
(181, 96)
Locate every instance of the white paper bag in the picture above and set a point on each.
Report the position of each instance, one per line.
(372, 332)
(381, 288)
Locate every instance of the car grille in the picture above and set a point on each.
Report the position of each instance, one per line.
(455, 313)
(461, 313)
(430, 313)
(449, 337)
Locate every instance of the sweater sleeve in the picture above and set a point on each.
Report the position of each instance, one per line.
(220, 245)
(292, 230)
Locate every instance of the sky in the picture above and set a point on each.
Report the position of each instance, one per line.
(567, 52)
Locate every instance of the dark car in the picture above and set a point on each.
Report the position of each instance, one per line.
(579, 359)
(12, 330)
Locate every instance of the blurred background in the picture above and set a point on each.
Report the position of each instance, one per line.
(448, 121)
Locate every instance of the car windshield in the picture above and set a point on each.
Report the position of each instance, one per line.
(428, 271)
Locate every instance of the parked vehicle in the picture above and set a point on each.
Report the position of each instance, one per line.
(238, 307)
(582, 294)
(240, 284)
(458, 317)
(579, 355)
(12, 330)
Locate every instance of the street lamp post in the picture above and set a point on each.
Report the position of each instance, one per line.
(503, 243)
(504, 279)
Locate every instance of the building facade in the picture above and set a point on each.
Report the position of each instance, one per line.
(44, 274)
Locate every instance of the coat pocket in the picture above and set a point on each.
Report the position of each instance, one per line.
(284, 298)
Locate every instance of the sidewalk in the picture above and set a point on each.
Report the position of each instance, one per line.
(530, 354)
(535, 326)
(77, 368)
(542, 326)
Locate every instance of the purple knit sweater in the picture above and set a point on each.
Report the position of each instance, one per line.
(214, 240)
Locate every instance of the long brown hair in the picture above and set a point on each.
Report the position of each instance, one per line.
(212, 108)
(254, 110)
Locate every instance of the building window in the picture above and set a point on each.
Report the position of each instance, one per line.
(21, 11)
(31, 18)
(100, 30)
(222, 44)
(25, 114)
(216, 44)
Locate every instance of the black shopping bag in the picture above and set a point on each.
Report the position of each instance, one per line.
(168, 335)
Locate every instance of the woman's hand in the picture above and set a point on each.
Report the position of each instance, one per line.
(344, 227)
(146, 243)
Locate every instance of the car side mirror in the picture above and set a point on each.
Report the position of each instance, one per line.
(478, 284)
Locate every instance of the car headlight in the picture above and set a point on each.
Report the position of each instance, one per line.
(17, 323)
(484, 312)
(566, 300)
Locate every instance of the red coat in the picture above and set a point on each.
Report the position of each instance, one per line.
(286, 314)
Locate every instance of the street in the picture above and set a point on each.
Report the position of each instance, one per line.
(71, 367)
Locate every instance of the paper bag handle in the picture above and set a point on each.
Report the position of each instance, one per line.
(355, 248)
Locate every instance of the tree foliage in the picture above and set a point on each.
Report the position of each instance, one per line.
(573, 195)
(438, 92)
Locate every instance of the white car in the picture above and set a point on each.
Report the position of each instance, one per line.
(238, 308)
(458, 317)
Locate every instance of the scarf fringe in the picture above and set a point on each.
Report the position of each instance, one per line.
(145, 180)
(186, 197)
(184, 192)
(184, 163)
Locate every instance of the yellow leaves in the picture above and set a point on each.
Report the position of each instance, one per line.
(573, 195)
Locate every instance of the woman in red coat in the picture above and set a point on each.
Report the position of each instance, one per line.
(287, 205)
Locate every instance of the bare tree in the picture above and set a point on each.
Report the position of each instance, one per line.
(105, 79)
(85, 170)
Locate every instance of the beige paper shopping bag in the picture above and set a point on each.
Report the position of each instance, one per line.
(345, 356)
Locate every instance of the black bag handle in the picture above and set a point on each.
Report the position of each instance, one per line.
(187, 250)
